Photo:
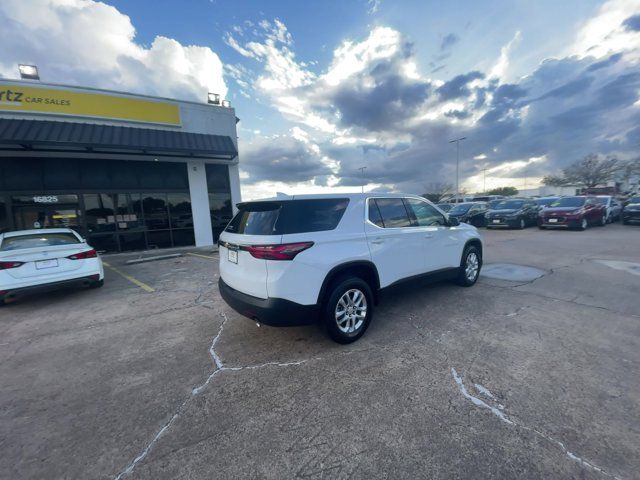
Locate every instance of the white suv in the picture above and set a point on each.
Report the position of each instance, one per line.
(293, 260)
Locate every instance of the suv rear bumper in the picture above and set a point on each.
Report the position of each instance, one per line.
(276, 312)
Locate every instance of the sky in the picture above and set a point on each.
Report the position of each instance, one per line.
(324, 88)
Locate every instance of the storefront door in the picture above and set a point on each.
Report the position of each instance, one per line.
(46, 216)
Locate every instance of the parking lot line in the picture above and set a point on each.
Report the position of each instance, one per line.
(199, 255)
(135, 281)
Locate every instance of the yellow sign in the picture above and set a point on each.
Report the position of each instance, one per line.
(86, 104)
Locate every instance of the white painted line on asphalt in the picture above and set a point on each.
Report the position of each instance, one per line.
(498, 413)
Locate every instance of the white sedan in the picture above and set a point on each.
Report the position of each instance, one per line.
(46, 259)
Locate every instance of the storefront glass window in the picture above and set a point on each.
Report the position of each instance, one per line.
(101, 222)
(4, 221)
(131, 229)
(156, 214)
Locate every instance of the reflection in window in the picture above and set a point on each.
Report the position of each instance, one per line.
(180, 210)
(154, 207)
(394, 214)
(221, 212)
(100, 213)
(101, 222)
(4, 221)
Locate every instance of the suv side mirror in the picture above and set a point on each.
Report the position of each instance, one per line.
(453, 222)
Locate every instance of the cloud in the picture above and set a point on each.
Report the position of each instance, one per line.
(449, 41)
(458, 86)
(90, 43)
(372, 107)
(500, 68)
(632, 23)
(373, 6)
(611, 30)
(284, 158)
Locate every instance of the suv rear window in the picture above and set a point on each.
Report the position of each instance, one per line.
(38, 240)
(288, 217)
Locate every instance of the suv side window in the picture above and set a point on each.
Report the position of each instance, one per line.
(374, 213)
(423, 213)
(393, 212)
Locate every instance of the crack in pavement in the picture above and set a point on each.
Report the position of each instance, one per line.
(498, 412)
(219, 367)
(573, 301)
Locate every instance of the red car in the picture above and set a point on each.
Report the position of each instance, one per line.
(573, 212)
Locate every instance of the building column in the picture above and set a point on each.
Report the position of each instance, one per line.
(234, 186)
(200, 203)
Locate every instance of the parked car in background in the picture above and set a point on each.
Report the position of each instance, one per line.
(472, 213)
(491, 204)
(544, 202)
(614, 208)
(458, 199)
(46, 259)
(292, 261)
(513, 213)
(573, 212)
(631, 211)
(445, 207)
(487, 198)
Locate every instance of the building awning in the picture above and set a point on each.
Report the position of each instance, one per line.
(70, 136)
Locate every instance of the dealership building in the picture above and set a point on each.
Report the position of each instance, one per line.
(128, 172)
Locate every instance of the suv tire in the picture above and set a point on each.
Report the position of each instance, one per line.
(344, 304)
(97, 284)
(470, 265)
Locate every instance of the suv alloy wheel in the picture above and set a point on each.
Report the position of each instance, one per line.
(469, 267)
(349, 309)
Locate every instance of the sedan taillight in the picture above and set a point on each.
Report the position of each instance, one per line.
(82, 255)
(284, 251)
(8, 265)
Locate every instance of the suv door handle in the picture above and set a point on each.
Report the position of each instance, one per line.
(429, 235)
(377, 241)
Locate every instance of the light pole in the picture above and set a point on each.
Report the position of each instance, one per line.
(362, 169)
(457, 142)
(484, 180)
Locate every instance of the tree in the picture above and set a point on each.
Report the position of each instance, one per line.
(504, 191)
(436, 191)
(630, 168)
(589, 172)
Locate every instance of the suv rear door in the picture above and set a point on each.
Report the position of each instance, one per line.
(254, 224)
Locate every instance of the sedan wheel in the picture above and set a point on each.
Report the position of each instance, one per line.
(584, 224)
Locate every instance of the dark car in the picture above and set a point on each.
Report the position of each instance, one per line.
(631, 211)
(470, 212)
(513, 213)
(445, 207)
(491, 204)
(573, 212)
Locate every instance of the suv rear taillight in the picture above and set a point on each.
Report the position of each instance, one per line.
(8, 265)
(283, 251)
(82, 255)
